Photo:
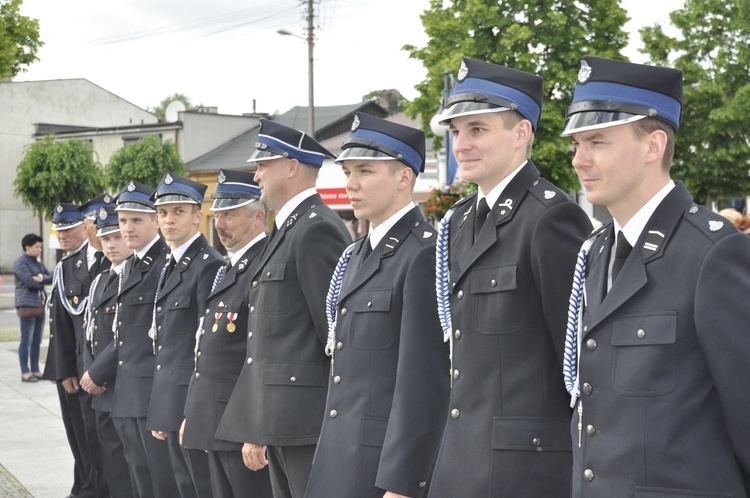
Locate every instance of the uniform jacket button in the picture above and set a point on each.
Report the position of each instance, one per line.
(590, 430)
(536, 441)
(337, 379)
(456, 374)
(334, 414)
(455, 413)
(119, 362)
(158, 367)
(460, 294)
(249, 361)
(588, 475)
(587, 388)
(591, 344)
(457, 334)
(641, 333)
(197, 375)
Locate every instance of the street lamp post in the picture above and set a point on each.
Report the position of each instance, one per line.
(310, 40)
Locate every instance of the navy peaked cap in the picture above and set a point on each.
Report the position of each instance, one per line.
(234, 189)
(135, 196)
(176, 189)
(276, 140)
(66, 216)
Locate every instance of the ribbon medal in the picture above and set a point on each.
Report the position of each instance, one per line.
(231, 327)
(217, 317)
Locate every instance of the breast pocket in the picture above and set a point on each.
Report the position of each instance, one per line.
(497, 309)
(645, 362)
(274, 298)
(372, 326)
(139, 308)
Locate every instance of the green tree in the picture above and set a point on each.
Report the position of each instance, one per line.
(19, 39)
(57, 171)
(546, 37)
(390, 100)
(712, 153)
(146, 161)
(161, 109)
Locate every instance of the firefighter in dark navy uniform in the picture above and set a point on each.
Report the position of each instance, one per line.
(240, 220)
(658, 355)
(505, 256)
(276, 408)
(389, 389)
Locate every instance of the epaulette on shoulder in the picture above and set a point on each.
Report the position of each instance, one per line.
(713, 225)
(424, 232)
(547, 192)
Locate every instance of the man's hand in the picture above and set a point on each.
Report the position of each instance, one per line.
(182, 430)
(390, 494)
(88, 385)
(70, 384)
(254, 456)
(162, 436)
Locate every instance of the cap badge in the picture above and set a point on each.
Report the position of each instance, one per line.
(102, 214)
(59, 208)
(355, 123)
(584, 73)
(715, 226)
(463, 71)
(549, 194)
(221, 178)
(168, 179)
(107, 199)
(131, 186)
(260, 145)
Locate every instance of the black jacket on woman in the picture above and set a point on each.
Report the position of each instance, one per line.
(27, 289)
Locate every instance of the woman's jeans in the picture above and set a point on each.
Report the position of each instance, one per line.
(31, 338)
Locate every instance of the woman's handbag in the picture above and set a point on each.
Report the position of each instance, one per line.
(30, 312)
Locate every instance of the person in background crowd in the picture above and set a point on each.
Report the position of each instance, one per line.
(279, 399)
(657, 356)
(30, 278)
(505, 257)
(240, 220)
(386, 403)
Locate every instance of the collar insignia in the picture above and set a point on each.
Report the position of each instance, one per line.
(463, 71)
(584, 73)
(426, 235)
(549, 194)
(313, 215)
(78, 264)
(715, 226)
(205, 256)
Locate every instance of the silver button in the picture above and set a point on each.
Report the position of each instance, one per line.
(591, 344)
(460, 294)
(159, 348)
(343, 311)
(693, 209)
(268, 274)
(158, 367)
(585, 328)
(252, 309)
(158, 309)
(336, 379)
(456, 374)
(176, 303)
(340, 346)
(587, 388)
(457, 334)
(334, 414)
(422, 484)
(121, 343)
(641, 333)
(199, 354)
(158, 329)
(588, 475)
(455, 413)
(493, 282)
(208, 310)
(96, 343)
(249, 361)
(293, 379)
(197, 375)
(369, 304)
(140, 298)
(249, 335)
(255, 283)
(536, 441)
(590, 430)
(119, 362)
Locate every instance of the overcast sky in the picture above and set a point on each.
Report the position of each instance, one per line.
(227, 53)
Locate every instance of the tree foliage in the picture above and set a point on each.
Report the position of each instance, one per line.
(161, 109)
(390, 100)
(712, 153)
(146, 161)
(19, 39)
(52, 172)
(545, 37)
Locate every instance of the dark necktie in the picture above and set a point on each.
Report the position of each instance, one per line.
(365, 251)
(170, 267)
(482, 210)
(130, 267)
(621, 254)
(98, 256)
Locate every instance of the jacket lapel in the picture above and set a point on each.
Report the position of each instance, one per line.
(137, 274)
(175, 277)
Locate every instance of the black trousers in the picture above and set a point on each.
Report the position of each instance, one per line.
(116, 470)
(289, 468)
(231, 479)
(84, 472)
(190, 469)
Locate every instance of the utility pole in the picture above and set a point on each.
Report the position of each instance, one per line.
(310, 79)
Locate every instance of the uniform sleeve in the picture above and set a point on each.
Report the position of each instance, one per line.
(421, 394)
(323, 243)
(104, 367)
(722, 316)
(555, 244)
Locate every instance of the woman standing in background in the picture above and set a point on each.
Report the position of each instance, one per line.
(31, 277)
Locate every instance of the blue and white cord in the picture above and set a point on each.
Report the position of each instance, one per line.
(334, 289)
(152, 330)
(442, 277)
(57, 280)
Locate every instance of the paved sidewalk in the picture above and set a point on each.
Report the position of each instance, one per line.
(35, 459)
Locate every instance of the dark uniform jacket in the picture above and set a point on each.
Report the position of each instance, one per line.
(66, 344)
(507, 426)
(133, 349)
(386, 403)
(280, 395)
(179, 307)
(103, 305)
(220, 354)
(665, 359)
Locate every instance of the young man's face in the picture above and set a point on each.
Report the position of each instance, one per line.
(178, 222)
(137, 228)
(484, 148)
(611, 165)
(372, 187)
(114, 247)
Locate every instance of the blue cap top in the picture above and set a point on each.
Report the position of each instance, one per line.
(482, 87)
(276, 140)
(234, 189)
(91, 208)
(610, 93)
(378, 139)
(66, 216)
(135, 197)
(107, 220)
(176, 189)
